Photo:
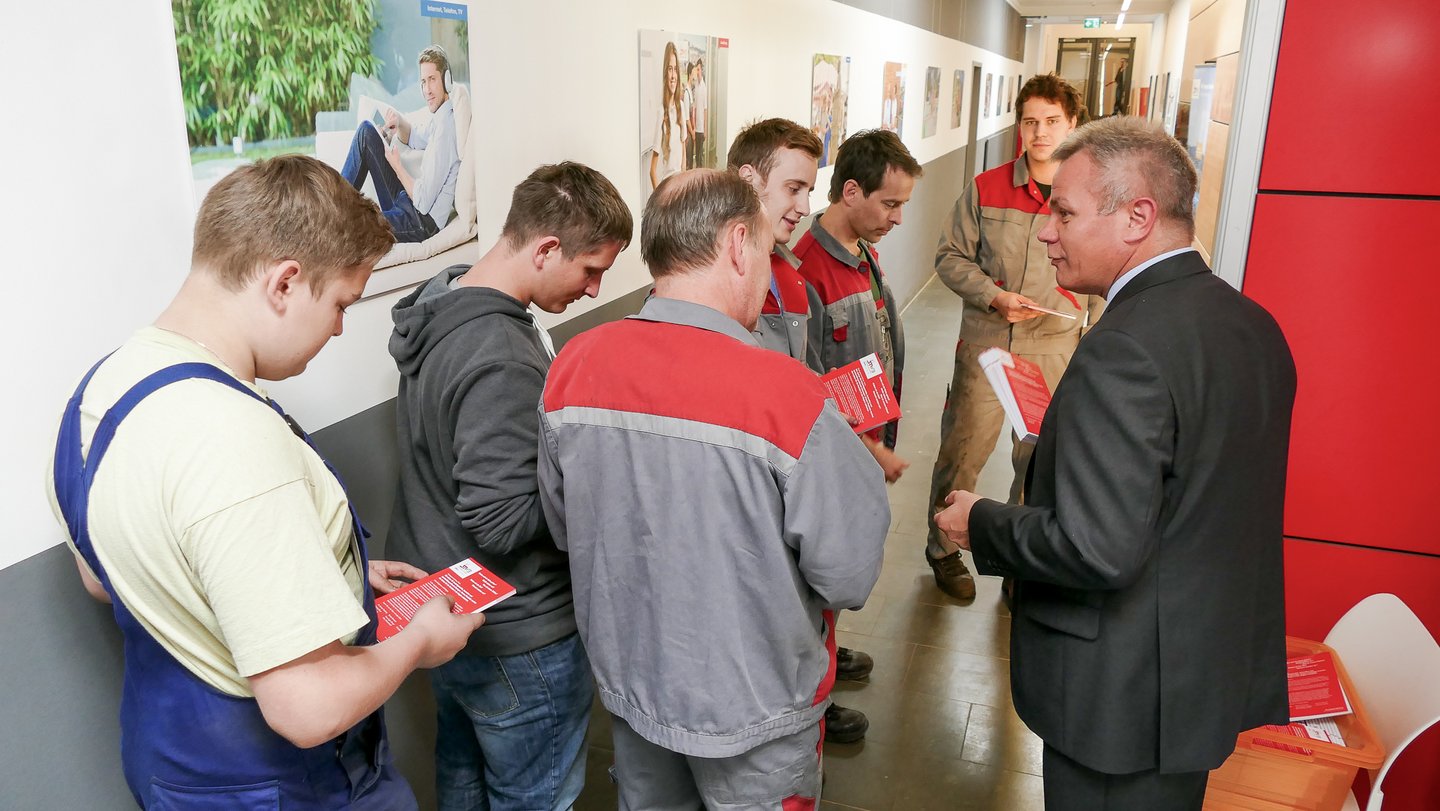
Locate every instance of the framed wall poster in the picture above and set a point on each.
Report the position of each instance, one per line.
(999, 93)
(930, 120)
(682, 104)
(342, 82)
(892, 98)
(985, 108)
(957, 93)
(829, 102)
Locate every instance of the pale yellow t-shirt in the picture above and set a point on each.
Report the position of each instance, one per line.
(222, 532)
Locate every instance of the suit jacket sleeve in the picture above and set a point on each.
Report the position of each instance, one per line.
(1113, 427)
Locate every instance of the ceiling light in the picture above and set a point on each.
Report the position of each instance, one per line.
(1119, 21)
(1125, 6)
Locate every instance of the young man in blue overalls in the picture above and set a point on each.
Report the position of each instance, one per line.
(234, 561)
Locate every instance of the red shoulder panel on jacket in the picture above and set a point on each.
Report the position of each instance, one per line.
(673, 370)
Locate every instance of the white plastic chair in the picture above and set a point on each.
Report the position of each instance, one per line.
(1394, 664)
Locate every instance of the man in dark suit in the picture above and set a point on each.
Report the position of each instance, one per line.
(1149, 609)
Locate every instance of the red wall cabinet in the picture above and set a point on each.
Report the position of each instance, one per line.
(1355, 285)
(1355, 100)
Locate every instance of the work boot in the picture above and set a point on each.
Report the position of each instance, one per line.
(852, 665)
(844, 725)
(952, 577)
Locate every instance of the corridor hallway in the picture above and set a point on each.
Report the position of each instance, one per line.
(943, 734)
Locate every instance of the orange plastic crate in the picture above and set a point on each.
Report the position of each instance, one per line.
(1259, 777)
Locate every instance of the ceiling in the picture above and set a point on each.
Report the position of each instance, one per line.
(1063, 11)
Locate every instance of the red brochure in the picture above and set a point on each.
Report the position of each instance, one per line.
(860, 390)
(1315, 690)
(1021, 389)
(473, 588)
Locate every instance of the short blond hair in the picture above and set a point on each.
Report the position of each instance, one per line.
(289, 207)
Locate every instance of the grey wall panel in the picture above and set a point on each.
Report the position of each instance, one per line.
(60, 705)
(62, 665)
(989, 24)
(994, 26)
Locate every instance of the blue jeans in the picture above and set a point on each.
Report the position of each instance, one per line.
(367, 159)
(511, 729)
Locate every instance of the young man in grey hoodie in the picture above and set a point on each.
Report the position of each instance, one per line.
(513, 707)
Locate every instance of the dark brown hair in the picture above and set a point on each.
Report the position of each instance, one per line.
(1055, 90)
(574, 203)
(865, 157)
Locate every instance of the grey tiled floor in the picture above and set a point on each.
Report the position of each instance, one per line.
(943, 734)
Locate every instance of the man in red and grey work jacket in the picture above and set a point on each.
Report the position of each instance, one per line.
(779, 159)
(715, 506)
(873, 180)
(989, 255)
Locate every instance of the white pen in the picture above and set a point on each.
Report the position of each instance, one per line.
(1037, 308)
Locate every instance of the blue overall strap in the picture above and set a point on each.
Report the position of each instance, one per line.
(775, 291)
(70, 464)
(162, 699)
(73, 491)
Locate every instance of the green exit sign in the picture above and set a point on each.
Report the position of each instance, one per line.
(1092, 22)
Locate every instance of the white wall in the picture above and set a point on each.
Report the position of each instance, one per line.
(99, 208)
(591, 49)
(100, 203)
(1177, 28)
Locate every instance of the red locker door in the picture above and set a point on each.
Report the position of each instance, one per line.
(1354, 285)
(1355, 101)
(1324, 580)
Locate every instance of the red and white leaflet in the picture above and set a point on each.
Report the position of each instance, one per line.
(473, 588)
(1021, 388)
(860, 390)
(1323, 730)
(1315, 690)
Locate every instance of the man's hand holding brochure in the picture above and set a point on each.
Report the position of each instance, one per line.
(472, 587)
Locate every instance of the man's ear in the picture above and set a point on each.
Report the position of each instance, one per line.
(749, 175)
(737, 241)
(1142, 215)
(851, 192)
(542, 249)
(281, 282)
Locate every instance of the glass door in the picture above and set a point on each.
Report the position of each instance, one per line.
(1101, 70)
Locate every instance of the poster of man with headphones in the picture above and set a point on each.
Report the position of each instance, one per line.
(391, 112)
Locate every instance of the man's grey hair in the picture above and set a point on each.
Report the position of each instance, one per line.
(1134, 159)
(688, 215)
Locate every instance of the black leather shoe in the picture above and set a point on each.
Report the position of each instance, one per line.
(852, 665)
(952, 577)
(844, 725)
